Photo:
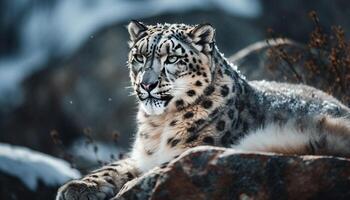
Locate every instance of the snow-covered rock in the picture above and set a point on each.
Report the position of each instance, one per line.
(23, 170)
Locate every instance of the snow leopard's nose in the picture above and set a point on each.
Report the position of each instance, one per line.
(149, 80)
(149, 86)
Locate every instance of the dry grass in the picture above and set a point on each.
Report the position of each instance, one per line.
(323, 63)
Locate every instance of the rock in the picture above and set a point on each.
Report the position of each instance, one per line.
(262, 60)
(285, 60)
(255, 60)
(12, 188)
(219, 173)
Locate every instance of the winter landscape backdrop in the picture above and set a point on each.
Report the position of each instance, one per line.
(64, 81)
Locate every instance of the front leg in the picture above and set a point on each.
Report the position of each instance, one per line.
(103, 183)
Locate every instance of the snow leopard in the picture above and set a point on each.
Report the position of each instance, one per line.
(190, 95)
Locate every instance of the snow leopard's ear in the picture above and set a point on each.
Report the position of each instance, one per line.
(203, 35)
(135, 29)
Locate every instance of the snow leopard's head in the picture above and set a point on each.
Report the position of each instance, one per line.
(169, 64)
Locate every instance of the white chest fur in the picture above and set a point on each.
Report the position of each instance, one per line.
(153, 152)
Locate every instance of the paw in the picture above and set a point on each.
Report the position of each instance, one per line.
(86, 190)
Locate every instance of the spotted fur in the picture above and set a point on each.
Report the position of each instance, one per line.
(190, 95)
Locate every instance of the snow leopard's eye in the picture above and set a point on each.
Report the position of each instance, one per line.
(172, 59)
(139, 58)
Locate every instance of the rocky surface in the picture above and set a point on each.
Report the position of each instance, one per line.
(218, 173)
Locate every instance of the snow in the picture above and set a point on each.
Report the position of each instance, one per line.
(30, 166)
(61, 28)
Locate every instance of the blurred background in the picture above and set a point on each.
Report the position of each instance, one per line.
(63, 74)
